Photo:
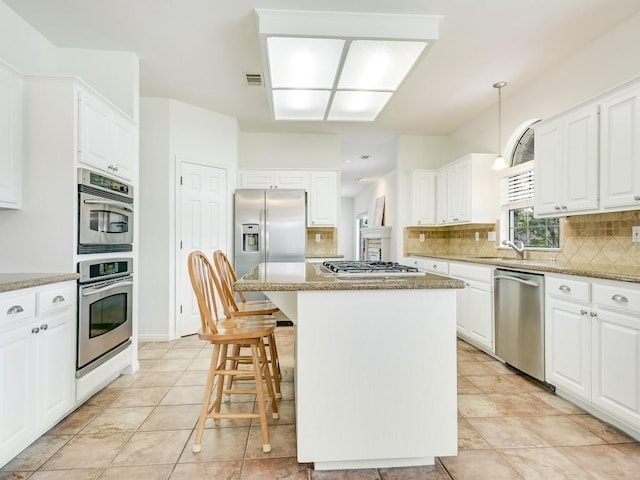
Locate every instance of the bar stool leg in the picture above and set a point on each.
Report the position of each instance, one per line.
(206, 400)
(257, 368)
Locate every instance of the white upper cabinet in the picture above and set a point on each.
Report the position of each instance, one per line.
(566, 166)
(10, 137)
(441, 197)
(323, 199)
(423, 191)
(321, 186)
(106, 137)
(472, 193)
(620, 149)
(268, 179)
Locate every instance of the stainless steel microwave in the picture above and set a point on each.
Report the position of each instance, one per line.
(105, 214)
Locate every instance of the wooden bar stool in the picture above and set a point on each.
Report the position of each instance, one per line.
(231, 333)
(242, 308)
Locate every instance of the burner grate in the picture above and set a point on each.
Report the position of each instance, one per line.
(347, 266)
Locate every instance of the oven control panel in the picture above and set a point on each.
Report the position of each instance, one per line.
(92, 270)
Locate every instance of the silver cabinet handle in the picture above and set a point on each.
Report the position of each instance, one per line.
(57, 299)
(35, 330)
(583, 312)
(564, 288)
(593, 314)
(556, 208)
(44, 326)
(563, 207)
(636, 198)
(15, 309)
(619, 298)
(435, 267)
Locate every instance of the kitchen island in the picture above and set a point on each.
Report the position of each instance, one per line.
(375, 372)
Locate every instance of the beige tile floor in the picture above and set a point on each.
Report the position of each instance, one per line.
(141, 427)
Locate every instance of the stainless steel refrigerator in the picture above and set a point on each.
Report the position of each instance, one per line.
(270, 226)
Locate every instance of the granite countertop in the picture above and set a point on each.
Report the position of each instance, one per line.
(270, 277)
(16, 281)
(623, 273)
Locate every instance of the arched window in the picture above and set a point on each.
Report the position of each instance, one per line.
(524, 149)
(519, 148)
(518, 222)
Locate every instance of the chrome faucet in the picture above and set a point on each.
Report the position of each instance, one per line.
(518, 246)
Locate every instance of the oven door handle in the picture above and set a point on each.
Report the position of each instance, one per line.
(110, 203)
(106, 288)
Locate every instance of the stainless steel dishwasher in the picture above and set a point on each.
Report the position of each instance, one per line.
(519, 320)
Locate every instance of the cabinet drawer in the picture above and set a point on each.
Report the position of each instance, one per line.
(17, 307)
(560, 287)
(436, 266)
(469, 271)
(56, 299)
(617, 296)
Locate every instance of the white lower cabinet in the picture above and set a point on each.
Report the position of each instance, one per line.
(616, 350)
(568, 346)
(593, 345)
(474, 317)
(37, 358)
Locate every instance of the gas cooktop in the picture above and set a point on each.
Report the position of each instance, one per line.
(369, 268)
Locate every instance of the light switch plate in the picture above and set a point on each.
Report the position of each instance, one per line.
(422, 237)
(635, 234)
(491, 236)
(318, 237)
(477, 236)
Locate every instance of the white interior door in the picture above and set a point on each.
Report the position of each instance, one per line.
(203, 226)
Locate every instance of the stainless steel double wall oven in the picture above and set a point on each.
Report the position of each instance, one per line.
(105, 287)
(105, 214)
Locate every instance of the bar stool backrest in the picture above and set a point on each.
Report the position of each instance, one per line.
(205, 285)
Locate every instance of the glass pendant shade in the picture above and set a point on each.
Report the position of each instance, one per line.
(499, 163)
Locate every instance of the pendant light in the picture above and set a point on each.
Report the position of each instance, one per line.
(499, 163)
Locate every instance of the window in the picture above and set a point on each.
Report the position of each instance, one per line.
(517, 221)
(524, 148)
(531, 231)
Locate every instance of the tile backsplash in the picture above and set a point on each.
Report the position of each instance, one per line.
(597, 239)
(322, 241)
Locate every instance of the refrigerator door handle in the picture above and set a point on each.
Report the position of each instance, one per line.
(265, 233)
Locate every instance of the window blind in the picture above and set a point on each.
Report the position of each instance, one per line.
(517, 188)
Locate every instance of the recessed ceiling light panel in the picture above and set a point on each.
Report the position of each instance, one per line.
(307, 63)
(296, 62)
(378, 64)
(300, 104)
(352, 106)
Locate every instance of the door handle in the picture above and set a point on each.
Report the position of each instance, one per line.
(517, 279)
(109, 204)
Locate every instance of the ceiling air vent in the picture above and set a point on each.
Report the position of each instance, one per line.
(254, 79)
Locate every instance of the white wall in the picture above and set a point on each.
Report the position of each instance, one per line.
(103, 70)
(365, 201)
(285, 150)
(115, 74)
(171, 131)
(24, 47)
(346, 229)
(610, 60)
